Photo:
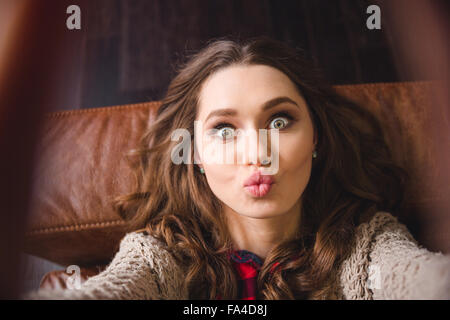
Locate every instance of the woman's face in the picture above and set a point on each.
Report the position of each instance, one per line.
(245, 90)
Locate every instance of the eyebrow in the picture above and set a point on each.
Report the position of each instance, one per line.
(266, 106)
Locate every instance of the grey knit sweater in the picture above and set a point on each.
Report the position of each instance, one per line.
(385, 263)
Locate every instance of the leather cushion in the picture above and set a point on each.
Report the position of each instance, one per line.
(81, 167)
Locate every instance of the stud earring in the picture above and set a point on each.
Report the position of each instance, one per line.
(314, 154)
(202, 171)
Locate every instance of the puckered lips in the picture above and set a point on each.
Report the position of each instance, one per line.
(258, 185)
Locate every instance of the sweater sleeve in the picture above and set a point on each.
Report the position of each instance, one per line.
(400, 268)
(140, 270)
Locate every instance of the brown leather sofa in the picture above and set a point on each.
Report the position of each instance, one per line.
(82, 166)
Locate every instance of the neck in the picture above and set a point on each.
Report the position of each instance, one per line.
(260, 235)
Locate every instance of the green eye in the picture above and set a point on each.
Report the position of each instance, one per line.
(279, 123)
(226, 133)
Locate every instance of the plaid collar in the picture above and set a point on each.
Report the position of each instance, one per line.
(247, 266)
(246, 257)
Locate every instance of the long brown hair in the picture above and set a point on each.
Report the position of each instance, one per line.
(352, 177)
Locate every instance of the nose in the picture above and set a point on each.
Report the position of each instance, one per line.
(264, 162)
(260, 160)
(258, 151)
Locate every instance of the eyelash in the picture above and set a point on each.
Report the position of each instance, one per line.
(285, 114)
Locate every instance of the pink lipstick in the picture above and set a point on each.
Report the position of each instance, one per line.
(258, 185)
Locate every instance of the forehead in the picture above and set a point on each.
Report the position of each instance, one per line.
(245, 85)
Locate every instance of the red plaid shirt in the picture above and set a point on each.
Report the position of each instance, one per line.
(247, 265)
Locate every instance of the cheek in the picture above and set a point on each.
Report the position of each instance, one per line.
(296, 159)
(220, 178)
(221, 181)
(296, 149)
(219, 175)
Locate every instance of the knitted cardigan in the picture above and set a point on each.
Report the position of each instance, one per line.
(385, 263)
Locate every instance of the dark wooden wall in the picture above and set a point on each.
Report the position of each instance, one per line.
(128, 48)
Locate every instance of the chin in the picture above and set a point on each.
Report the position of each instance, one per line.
(258, 214)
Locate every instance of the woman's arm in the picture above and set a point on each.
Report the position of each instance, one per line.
(400, 268)
(141, 269)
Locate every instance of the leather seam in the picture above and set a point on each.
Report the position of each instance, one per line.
(74, 227)
(382, 84)
(58, 114)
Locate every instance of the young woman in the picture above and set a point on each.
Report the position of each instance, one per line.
(311, 218)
